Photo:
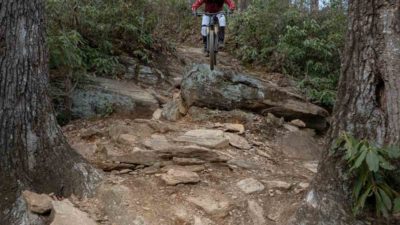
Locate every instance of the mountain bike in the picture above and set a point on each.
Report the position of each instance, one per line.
(212, 35)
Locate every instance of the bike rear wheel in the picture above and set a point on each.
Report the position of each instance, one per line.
(211, 48)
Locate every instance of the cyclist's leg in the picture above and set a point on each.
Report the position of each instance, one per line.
(204, 23)
(221, 32)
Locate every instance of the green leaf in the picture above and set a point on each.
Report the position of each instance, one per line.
(396, 205)
(393, 152)
(380, 206)
(373, 161)
(360, 159)
(385, 164)
(357, 188)
(385, 199)
(360, 203)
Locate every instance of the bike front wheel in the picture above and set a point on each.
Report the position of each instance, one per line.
(211, 48)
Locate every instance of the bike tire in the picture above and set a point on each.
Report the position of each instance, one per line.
(211, 49)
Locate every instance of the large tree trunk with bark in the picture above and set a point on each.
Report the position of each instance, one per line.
(368, 105)
(33, 151)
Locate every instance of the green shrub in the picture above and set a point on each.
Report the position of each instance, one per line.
(371, 167)
(292, 41)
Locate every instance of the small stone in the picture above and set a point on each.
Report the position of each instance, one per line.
(201, 221)
(277, 184)
(237, 141)
(180, 176)
(157, 114)
(312, 166)
(250, 185)
(231, 127)
(263, 154)
(127, 139)
(298, 123)
(256, 213)
(242, 164)
(124, 171)
(37, 203)
(290, 128)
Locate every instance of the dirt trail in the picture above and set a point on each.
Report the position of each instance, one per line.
(279, 157)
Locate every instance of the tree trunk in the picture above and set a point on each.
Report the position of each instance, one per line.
(368, 105)
(314, 6)
(33, 151)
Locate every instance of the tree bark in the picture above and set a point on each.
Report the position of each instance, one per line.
(368, 105)
(314, 6)
(33, 151)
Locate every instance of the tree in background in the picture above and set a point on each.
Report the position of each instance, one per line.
(33, 151)
(367, 107)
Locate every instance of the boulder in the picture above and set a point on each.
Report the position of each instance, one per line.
(228, 90)
(64, 213)
(105, 96)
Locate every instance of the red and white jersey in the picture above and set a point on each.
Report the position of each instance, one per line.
(213, 6)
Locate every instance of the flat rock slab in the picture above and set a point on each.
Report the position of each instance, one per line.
(180, 176)
(37, 203)
(192, 151)
(157, 142)
(139, 157)
(250, 185)
(256, 213)
(217, 206)
(238, 141)
(205, 137)
(64, 213)
(192, 168)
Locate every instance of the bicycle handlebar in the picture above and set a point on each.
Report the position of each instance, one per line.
(212, 14)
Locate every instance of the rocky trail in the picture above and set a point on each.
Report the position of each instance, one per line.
(184, 145)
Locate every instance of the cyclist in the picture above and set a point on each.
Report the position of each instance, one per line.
(213, 6)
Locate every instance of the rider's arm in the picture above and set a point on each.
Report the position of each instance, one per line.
(197, 4)
(230, 4)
